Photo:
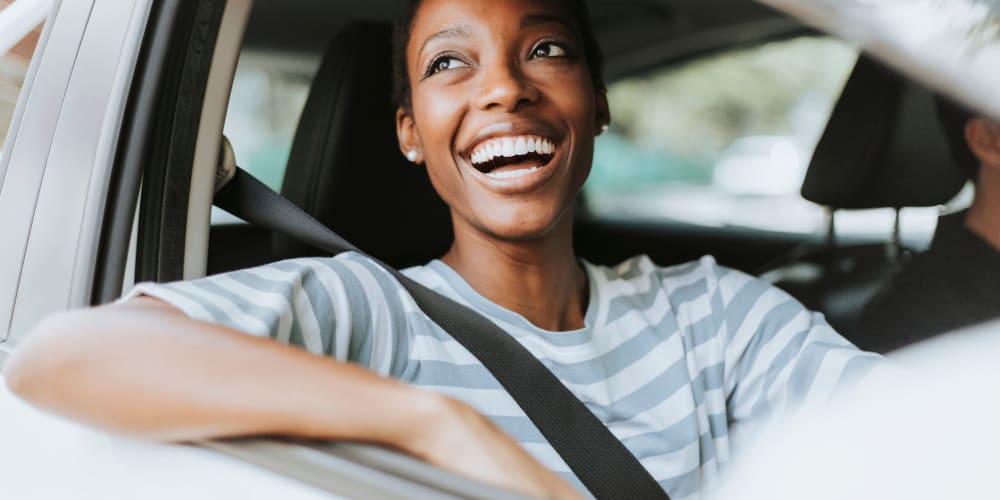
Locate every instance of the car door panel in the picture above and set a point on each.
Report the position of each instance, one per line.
(29, 144)
(58, 265)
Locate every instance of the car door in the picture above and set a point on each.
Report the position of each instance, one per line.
(58, 159)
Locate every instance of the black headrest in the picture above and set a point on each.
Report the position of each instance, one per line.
(882, 147)
(345, 167)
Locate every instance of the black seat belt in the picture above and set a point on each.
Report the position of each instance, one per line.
(597, 458)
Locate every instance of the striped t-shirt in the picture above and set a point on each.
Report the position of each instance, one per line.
(675, 361)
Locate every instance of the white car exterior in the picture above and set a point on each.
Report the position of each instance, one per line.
(43, 456)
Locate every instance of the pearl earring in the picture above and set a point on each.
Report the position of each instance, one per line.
(412, 155)
(605, 127)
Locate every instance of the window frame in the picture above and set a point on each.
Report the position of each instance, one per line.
(58, 143)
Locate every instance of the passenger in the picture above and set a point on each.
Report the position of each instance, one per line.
(956, 282)
(500, 102)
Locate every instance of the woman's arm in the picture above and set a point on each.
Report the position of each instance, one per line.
(144, 368)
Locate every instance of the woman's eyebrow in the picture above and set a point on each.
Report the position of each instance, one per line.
(454, 31)
(530, 20)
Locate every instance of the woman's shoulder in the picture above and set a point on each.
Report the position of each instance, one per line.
(350, 263)
(642, 268)
(349, 272)
(700, 280)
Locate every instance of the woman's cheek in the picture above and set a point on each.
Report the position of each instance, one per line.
(442, 117)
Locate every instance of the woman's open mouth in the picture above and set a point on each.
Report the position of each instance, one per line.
(510, 157)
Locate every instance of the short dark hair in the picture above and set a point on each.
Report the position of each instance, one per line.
(953, 118)
(404, 24)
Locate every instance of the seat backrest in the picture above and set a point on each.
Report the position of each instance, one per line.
(345, 167)
(882, 147)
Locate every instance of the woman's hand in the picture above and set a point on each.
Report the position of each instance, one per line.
(463, 441)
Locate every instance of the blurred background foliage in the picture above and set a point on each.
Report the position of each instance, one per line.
(672, 125)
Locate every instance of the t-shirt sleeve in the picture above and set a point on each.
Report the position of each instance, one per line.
(346, 307)
(778, 355)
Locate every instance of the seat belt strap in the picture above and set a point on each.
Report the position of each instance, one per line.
(599, 460)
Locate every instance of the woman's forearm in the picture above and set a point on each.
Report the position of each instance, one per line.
(144, 368)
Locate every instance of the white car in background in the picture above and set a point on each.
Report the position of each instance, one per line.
(761, 165)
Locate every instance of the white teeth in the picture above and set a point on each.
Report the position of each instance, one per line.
(511, 146)
(508, 147)
(520, 146)
(507, 174)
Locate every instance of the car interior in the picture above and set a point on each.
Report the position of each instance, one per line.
(877, 148)
(881, 148)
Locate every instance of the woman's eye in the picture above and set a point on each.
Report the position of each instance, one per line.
(548, 49)
(445, 63)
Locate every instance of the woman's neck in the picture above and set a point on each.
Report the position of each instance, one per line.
(983, 217)
(538, 279)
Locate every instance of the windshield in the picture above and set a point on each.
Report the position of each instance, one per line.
(952, 46)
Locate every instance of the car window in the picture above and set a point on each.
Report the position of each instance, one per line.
(268, 94)
(724, 141)
(22, 24)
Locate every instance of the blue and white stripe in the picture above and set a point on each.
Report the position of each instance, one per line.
(675, 361)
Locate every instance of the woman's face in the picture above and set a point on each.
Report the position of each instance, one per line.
(504, 112)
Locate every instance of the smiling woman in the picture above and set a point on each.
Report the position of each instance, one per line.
(534, 72)
(501, 103)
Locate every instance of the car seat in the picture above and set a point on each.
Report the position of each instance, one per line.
(882, 147)
(345, 167)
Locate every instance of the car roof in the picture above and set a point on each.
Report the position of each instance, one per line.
(951, 47)
(634, 34)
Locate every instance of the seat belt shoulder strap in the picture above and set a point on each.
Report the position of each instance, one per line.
(593, 453)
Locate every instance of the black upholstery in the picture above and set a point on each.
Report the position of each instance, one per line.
(882, 147)
(345, 167)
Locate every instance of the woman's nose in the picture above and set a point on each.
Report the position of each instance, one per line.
(505, 86)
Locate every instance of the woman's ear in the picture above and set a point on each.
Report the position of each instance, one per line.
(603, 111)
(983, 138)
(406, 134)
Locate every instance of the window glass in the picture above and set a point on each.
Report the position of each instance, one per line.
(17, 45)
(724, 141)
(269, 92)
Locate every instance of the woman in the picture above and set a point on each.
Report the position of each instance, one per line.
(501, 102)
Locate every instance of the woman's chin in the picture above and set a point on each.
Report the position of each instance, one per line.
(529, 225)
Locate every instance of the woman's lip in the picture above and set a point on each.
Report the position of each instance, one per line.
(516, 184)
